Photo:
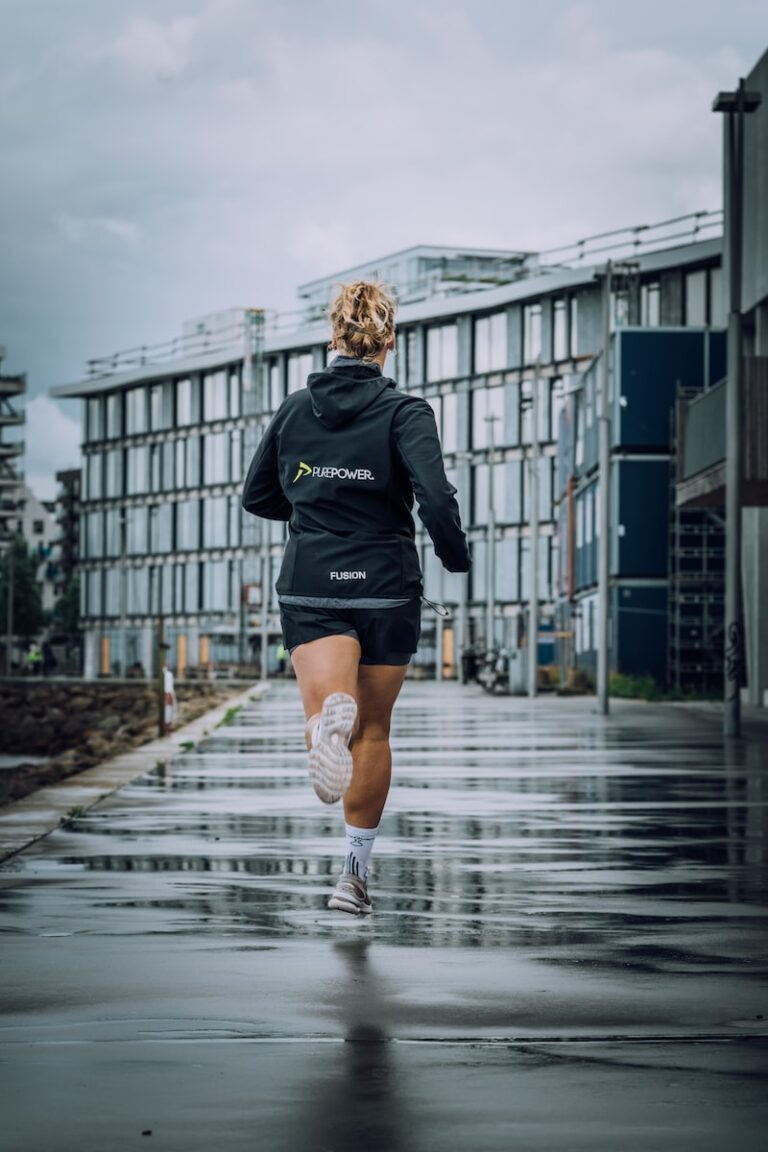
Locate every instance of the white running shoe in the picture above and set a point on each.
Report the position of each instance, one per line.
(351, 895)
(330, 760)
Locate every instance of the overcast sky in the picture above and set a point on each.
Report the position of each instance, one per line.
(167, 158)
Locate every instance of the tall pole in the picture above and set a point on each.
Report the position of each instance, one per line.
(9, 609)
(161, 648)
(123, 590)
(533, 599)
(735, 104)
(604, 485)
(462, 623)
(265, 579)
(490, 620)
(440, 630)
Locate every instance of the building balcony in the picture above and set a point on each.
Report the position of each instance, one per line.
(701, 443)
(11, 450)
(10, 419)
(12, 385)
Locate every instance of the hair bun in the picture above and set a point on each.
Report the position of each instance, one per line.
(363, 318)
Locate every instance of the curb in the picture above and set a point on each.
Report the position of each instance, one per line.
(24, 821)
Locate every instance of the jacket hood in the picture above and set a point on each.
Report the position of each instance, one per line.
(344, 389)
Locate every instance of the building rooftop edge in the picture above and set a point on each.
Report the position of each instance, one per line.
(301, 337)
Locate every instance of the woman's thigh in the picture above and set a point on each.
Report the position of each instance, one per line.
(378, 686)
(329, 664)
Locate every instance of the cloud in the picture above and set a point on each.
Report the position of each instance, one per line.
(52, 440)
(291, 138)
(98, 229)
(149, 46)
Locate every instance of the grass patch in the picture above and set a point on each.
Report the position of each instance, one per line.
(633, 687)
(73, 813)
(187, 745)
(229, 716)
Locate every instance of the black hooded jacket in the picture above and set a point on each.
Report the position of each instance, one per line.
(342, 461)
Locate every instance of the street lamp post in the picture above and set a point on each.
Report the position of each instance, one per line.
(604, 469)
(490, 620)
(9, 609)
(533, 599)
(736, 105)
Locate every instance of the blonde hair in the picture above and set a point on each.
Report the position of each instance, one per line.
(362, 318)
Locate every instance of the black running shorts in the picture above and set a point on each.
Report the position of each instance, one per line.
(386, 635)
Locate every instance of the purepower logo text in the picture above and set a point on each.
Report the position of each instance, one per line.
(333, 473)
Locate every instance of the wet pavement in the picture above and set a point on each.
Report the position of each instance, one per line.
(568, 949)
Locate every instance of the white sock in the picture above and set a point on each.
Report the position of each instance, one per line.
(359, 848)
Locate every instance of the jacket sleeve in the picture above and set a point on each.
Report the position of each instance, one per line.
(262, 492)
(418, 445)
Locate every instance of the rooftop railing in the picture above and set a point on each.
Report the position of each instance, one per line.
(635, 240)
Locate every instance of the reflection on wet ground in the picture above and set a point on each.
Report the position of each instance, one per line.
(563, 904)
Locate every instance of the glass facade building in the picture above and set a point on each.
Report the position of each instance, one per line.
(166, 447)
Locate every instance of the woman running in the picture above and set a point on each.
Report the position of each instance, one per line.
(341, 461)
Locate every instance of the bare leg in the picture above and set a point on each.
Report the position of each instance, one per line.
(331, 664)
(378, 687)
(324, 666)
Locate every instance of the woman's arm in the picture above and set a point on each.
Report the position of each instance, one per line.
(418, 444)
(262, 492)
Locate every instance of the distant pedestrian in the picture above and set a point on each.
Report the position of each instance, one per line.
(342, 460)
(34, 659)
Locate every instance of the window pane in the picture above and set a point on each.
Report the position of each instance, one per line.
(234, 521)
(507, 582)
(193, 461)
(650, 305)
(215, 514)
(168, 454)
(450, 422)
(696, 299)
(114, 415)
(216, 586)
(94, 604)
(559, 330)
(187, 525)
(135, 410)
(114, 479)
(155, 471)
(412, 358)
(136, 531)
(138, 591)
(166, 584)
(216, 464)
(161, 528)
(442, 352)
(192, 587)
(184, 414)
(214, 396)
(573, 326)
(299, 367)
(159, 407)
(95, 429)
(275, 385)
(236, 456)
(482, 345)
(480, 494)
(234, 392)
(531, 333)
(137, 464)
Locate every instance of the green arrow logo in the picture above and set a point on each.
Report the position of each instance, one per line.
(304, 470)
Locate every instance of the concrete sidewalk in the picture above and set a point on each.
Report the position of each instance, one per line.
(568, 949)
